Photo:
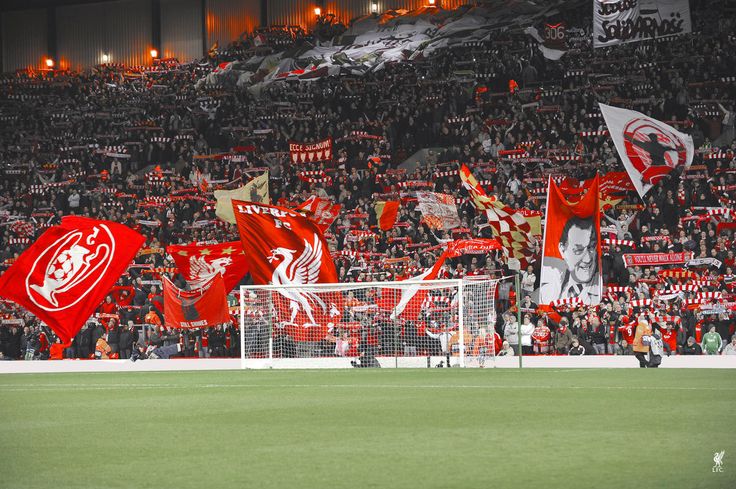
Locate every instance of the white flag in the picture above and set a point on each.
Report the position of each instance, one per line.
(649, 149)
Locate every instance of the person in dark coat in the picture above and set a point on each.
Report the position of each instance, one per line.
(126, 342)
(113, 336)
(83, 342)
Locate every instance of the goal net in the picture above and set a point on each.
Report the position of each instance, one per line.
(419, 324)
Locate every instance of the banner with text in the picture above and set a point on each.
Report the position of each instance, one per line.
(651, 259)
(622, 21)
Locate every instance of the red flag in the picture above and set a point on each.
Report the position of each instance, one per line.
(387, 212)
(322, 211)
(200, 308)
(571, 262)
(285, 247)
(66, 273)
(199, 264)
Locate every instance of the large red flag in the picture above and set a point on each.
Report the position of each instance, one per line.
(199, 263)
(201, 308)
(571, 262)
(66, 273)
(286, 248)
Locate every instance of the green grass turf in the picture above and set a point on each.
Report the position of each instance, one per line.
(362, 429)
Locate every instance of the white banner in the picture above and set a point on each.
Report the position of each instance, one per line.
(438, 210)
(648, 148)
(622, 21)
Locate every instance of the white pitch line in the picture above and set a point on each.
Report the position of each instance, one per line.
(58, 387)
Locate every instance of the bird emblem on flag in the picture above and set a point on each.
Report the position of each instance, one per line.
(201, 271)
(302, 270)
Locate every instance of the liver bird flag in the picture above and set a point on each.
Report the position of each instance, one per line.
(199, 264)
(286, 248)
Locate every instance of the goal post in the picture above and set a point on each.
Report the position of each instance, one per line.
(412, 323)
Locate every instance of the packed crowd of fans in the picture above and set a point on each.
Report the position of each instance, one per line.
(146, 147)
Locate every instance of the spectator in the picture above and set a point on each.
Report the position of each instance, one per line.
(691, 347)
(730, 348)
(576, 348)
(563, 337)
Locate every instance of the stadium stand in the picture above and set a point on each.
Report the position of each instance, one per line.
(147, 146)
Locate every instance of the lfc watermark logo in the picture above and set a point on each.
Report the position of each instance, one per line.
(718, 460)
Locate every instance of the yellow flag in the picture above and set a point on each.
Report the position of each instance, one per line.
(254, 191)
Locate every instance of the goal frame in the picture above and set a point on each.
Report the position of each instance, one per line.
(457, 284)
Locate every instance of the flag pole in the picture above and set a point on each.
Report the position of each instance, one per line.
(518, 314)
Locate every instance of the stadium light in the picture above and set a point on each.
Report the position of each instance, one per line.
(105, 57)
(49, 63)
(317, 11)
(374, 7)
(154, 53)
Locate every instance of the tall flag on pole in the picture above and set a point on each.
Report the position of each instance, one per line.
(200, 308)
(199, 263)
(571, 258)
(509, 225)
(649, 149)
(65, 274)
(286, 248)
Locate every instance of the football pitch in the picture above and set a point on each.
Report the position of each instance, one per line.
(433, 428)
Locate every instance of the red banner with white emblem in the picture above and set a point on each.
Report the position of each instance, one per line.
(66, 273)
(286, 248)
(199, 263)
(311, 152)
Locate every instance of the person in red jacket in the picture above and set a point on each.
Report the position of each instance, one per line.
(669, 337)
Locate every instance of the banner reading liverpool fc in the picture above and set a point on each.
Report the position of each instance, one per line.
(311, 152)
(199, 263)
(622, 21)
(200, 308)
(66, 273)
(649, 149)
(571, 260)
(286, 248)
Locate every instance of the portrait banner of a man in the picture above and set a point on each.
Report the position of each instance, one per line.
(571, 260)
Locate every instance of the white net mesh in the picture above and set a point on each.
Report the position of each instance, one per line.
(386, 324)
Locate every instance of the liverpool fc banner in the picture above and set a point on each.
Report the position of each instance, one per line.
(311, 152)
(286, 248)
(66, 273)
(649, 149)
(571, 261)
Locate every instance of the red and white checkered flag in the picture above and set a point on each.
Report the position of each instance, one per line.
(509, 226)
